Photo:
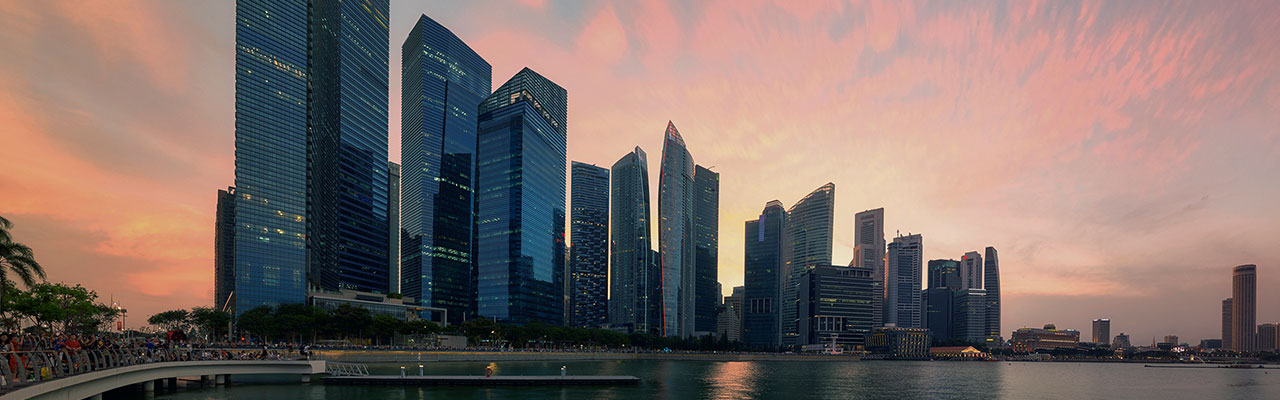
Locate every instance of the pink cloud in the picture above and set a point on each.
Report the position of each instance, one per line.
(603, 39)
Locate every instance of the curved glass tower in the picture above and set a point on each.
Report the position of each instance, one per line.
(808, 244)
(675, 235)
(634, 282)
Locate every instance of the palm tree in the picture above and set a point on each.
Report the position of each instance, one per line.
(17, 258)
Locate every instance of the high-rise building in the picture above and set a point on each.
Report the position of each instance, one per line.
(904, 262)
(706, 243)
(347, 212)
(1226, 323)
(311, 149)
(1101, 331)
(589, 250)
(1244, 281)
(443, 82)
(807, 244)
(971, 271)
(944, 274)
(675, 235)
(991, 282)
(634, 283)
(763, 263)
(224, 248)
(835, 303)
(937, 318)
(1172, 340)
(869, 245)
(729, 320)
(520, 200)
(1267, 337)
(969, 315)
(1121, 342)
(393, 227)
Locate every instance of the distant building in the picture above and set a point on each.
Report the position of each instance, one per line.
(937, 318)
(901, 343)
(224, 249)
(1226, 323)
(1211, 344)
(1244, 313)
(971, 271)
(808, 242)
(404, 309)
(969, 315)
(729, 320)
(903, 263)
(1048, 338)
(1267, 337)
(706, 249)
(1172, 339)
(835, 302)
(1101, 331)
(589, 249)
(1121, 342)
(869, 245)
(991, 282)
(957, 352)
(944, 274)
(763, 277)
(635, 285)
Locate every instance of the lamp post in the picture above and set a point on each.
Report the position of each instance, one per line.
(419, 369)
(402, 372)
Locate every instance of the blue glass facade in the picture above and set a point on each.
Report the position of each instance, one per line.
(634, 278)
(763, 278)
(589, 253)
(271, 152)
(347, 151)
(520, 201)
(706, 241)
(675, 235)
(443, 83)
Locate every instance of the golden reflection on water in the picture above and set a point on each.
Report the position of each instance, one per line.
(732, 380)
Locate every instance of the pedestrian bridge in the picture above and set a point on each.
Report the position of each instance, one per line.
(76, 382)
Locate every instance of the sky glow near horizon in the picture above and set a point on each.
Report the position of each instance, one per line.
(1122, 156)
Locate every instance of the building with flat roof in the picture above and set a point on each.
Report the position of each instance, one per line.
(763, 277)
(1267, 337)
(957, 352)
(899, 343)
(1102, 331)
(1121, 342)
(1244, 312)
(834, 302)
(404, 309)
(1047, 338)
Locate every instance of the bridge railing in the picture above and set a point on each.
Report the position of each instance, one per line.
(22, 368)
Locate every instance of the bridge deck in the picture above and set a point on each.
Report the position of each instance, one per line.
(468, 380)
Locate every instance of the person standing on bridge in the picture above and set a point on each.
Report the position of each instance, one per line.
(488, 371)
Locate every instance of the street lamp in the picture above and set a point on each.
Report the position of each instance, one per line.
(419, 369)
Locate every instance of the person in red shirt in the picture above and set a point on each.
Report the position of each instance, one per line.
(73, 344)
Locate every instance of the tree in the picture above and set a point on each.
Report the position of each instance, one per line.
(16, 258)
(58, 307)
(213, 321)
(172, 320)
(385, 326)
(257, 321)
(349, 320)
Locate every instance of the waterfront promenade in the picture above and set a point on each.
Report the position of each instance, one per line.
(393, 356)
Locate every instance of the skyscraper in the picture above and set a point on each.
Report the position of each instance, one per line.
(1267, 337)
(1226, 323)
(763, 277)
(393, 227)
(1244, 280)
(634, 283)
(706, 243)
(520, 200)
(937, 316)
(807, 244)
(834, 303)
(347, 214)
(969, 315)
(675, 235)
(944, 274)
(971, 271)
(224, 248)
(443, 82)
(868, 233)
(991, 282)
(729, 320)
(902, 281)
(1101, 331)
(589, 252)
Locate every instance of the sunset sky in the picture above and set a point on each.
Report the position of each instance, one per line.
(1122, 156)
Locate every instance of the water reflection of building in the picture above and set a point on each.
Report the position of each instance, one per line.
(1050, 337)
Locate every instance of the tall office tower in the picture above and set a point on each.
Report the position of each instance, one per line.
(991, 282)
(271, 152)
(1101, 331)
(706, 243)
(443, 82)
(1226, 324)
(520, 191)
(589, 245)
(971, 271)
(835, 305)
(904, 261)
(729, 320)
(633, 281)
(347, 147)
(675, 234)
(763, 277)
(1267, 337)
(937, 318)
(224, 248)
(807, 244)
(1244, 281)
(868, 239)
(944, 274)
(393, 227)
(969, 315)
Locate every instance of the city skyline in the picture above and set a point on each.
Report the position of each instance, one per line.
(162, 182)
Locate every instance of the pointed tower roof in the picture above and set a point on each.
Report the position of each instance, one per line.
(673, 134)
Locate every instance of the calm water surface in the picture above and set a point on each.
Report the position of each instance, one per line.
(788, 380)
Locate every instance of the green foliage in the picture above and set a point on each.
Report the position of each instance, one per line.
(172, 320)
(209, 320)
(57, 307)
(17, 258)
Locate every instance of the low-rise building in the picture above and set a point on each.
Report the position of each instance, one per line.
(1267, 337)
(1050, 337)
(402, 308)
(900, 343)
(1211, 344)
(957, 352)
(1121, 342)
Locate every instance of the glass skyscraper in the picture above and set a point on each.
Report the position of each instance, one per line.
(224, 248)
(634, 281)
(520, 200)
(706, 241)
(869, 246)
(443, 82)
(763, 277)
(675, 235)
(589, 253)
(991, 282)
(902, 281)
(393, 227)
(808, 245)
